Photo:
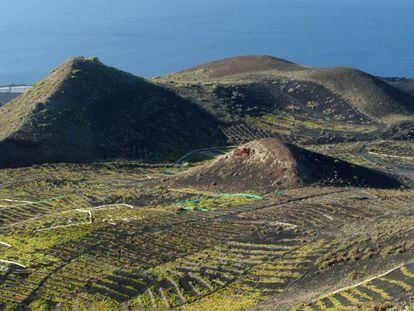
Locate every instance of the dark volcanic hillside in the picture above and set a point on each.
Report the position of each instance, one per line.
(269, 164)
(87, 111)
(404, 84)
(403, 130)
(301, 104)
(365, 93)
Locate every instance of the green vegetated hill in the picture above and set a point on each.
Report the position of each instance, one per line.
(87, 111)
(300, 103)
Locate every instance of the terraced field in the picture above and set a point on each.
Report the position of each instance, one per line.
(395, 157)
(395, 282)
(116, 236)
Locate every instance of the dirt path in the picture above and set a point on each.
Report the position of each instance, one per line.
(404, 170)
(181, 160)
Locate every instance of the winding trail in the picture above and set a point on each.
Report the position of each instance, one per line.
(88, 222)
(181, 160)
(404, 170)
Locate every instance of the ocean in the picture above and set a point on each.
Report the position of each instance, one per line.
(156, 37)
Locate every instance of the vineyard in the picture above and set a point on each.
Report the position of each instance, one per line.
(243, 132)
(116, 236)
(383, 287)
(113, 237)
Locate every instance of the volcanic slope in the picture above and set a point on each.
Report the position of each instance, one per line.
(87, 111)
(269, 164)
(404, 84)
(290, 100)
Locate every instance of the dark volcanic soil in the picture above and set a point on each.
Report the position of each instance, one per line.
(269, 164)
(400, 131)
(86, 111)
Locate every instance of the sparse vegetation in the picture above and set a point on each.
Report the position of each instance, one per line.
(197, 232)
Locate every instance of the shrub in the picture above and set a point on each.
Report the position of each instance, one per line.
(94, 59)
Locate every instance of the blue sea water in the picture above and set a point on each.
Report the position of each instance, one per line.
(155, 37)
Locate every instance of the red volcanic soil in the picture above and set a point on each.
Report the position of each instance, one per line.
(245, 64)
(269, 164)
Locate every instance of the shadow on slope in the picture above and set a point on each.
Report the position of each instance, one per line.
(366, 94)
(269, 164)
(86, 111)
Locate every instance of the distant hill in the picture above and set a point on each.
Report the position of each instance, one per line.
(269, 164)
(365, 94)
(299, 103)
(6, 97)
(404, 84)
(87, 111)
(237, 65)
